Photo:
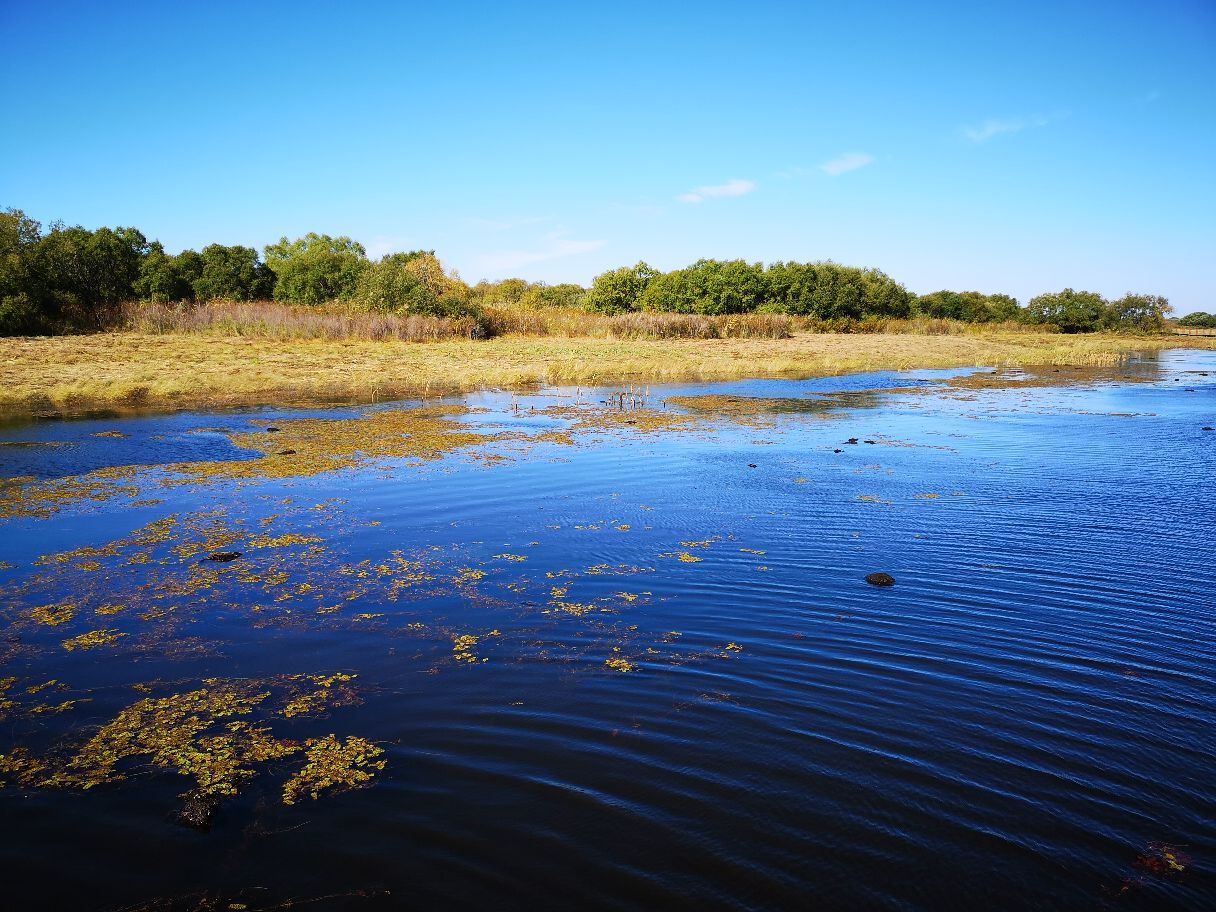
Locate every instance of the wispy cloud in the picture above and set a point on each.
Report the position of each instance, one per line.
(993, 126)
(733, 187)
(850, 161)
(554, 248)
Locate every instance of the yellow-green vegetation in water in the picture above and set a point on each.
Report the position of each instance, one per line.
(197, 734)
(53, 615)
(334, 765)
(93, 639)
(211, 736)
(309, 446)
(464, 648)
(331, 691)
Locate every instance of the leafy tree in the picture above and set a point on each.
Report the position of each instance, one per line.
(970, 306)
(232, 272)
(510, 291)
(708, 287)
(1199, 319)
(1139, 312)
(315, 268)
(830, 291)
(161, 278)
(388, 286)
(412, 283)
(619, 290)
(86, 274)
(1071, 311)
(541, 295)
(19, 295)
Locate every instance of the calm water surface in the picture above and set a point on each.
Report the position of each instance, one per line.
(638, 666)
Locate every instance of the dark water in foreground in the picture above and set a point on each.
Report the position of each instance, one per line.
(639, 668)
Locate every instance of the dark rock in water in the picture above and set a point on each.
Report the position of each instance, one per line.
(198, 810)
(880, 579)
(837, 451)
(867, 441)
(271, 430)
(223, 556)
(286, 453)
(851, 440)
(1208, 429)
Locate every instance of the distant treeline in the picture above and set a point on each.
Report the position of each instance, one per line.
(67, 279)
(1199, 319)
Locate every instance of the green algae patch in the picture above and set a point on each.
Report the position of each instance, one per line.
(334, 765)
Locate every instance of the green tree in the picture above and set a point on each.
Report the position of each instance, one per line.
(160, 277)
(969, 306)
(540, 295)
(710, 287)
(316, 268)
(1138, 312)
(388, 286)
(87, 274)
(413, 283)
(20, 297)
(233, 272)
(1199, 319)
(619, 290)
(1071, 311)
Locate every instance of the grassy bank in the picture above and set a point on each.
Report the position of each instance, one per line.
(72, 374)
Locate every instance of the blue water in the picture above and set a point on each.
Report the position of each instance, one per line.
(1022, 721)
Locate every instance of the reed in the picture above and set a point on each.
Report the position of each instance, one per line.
(273, 320)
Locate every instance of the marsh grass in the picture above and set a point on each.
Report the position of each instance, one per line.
(273, 320)
(128, 370)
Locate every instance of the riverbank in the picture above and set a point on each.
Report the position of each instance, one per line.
(122, 371)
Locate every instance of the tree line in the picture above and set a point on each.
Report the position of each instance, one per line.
(64, 279)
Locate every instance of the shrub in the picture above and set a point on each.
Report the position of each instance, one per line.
(316, 268)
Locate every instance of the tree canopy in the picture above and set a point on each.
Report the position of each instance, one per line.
(73, 278)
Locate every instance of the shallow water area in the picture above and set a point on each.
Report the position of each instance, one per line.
(613, 648)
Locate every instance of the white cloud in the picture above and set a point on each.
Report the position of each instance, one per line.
(993, 126)
(555, 248)
(850, 161)
(733, 187)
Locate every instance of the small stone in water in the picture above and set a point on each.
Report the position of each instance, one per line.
(223, 555)
(880, 579)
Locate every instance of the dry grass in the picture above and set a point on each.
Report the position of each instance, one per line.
(571, 323)
(273, 320)
(130, 370)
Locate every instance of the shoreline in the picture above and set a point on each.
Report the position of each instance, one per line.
(67, 376)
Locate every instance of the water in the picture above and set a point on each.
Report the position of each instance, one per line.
(1024, 721)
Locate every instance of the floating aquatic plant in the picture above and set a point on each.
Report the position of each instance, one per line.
(334, 765)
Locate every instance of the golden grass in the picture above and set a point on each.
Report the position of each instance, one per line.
(128, 370)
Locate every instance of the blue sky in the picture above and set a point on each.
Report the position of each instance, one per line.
(954, 145)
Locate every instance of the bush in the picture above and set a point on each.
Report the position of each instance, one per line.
(1072, 311)
(316, 268)
(619, 290)
(1199, 319)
